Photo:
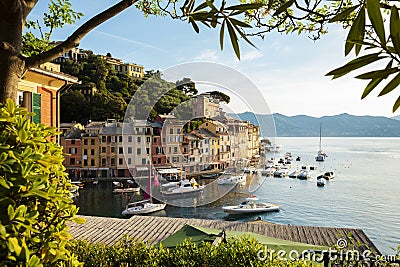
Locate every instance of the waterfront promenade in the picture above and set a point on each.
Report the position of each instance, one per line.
(153, 229)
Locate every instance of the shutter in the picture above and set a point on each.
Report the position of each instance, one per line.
(37, 107)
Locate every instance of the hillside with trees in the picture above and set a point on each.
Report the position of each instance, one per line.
(113, 92)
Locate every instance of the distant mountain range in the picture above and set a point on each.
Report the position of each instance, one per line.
(342, 125)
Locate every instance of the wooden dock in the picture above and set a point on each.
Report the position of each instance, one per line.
(152, 230)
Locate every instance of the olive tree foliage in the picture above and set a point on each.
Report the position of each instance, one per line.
(35, 200)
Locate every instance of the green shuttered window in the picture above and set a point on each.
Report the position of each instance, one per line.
(37, 107)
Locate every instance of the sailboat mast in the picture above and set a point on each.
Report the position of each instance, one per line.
(320, 136)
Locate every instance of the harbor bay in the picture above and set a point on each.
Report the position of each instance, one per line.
(364, 193)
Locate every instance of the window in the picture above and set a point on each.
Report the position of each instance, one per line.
(171, 131)
(154, 140)
(113, 149)
(159, 160)
(169, 150)
(92, 142)
(72, 161)
(85, 152)
(178, 131)
(103, 149)
(120, 150)
(129, 150)
(129, 161)
(92, 162)
(138, 151)
(112, 161)
(148, 139)
(91, 151)
(175, 149)
(113, 139)
(85, 142)
(130, 139)
(37, 107)
(139, 139)
(104, 139)
(143, 161)
(85, 162)
(72, 142)
(120, 138)
(147, 150)
(103, 162)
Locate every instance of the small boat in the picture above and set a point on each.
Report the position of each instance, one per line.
(229, 180)
(183, 187)
(210, 176)
(126, 190)
(142, 207)
(298, 158)
(328, 175)
(268, 171)
(294, 174)
(321, 181)
(250, 206)
(304, 175)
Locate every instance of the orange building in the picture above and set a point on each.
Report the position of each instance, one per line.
(38, 91)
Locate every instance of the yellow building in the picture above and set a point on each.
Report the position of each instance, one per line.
(203, 106)
(130, 69)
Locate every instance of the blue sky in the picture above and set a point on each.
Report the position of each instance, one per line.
(287, 69)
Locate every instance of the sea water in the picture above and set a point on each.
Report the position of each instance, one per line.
(365, 192)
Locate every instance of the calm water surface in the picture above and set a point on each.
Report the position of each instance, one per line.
(364, 194)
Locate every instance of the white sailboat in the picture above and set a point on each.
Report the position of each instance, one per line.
(144, 206)
(321, 155)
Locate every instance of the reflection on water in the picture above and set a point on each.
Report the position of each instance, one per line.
(364, 193)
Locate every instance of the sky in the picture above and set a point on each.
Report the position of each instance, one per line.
(288, 70)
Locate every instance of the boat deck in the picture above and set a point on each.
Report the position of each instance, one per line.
(153, 229)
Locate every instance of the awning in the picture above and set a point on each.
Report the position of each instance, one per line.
(168, 171)
(142, 169)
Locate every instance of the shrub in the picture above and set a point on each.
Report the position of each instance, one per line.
(35, 202)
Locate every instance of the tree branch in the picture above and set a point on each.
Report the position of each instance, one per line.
(74, 40)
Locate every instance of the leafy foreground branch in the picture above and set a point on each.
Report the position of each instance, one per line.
(35, 201)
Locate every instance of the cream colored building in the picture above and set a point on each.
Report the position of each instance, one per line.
(203, 106)
(130, 69)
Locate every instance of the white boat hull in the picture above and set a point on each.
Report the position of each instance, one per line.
(147, 208)
(247, 210)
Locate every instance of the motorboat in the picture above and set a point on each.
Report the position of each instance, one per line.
(183, 187)
(234, 179)
(210, 176)
(250, 206)
(321, 181)
(126, 190)
(294, 174)
(142, 207)
(268, 171)
(328, 175)
(304, 175)
(281, 172)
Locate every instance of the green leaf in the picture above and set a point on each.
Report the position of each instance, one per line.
(283, 7)
(391, 85)
(395, 28)
(239, 23)
(354, 64)
(245, 7)
(201, 6)
(377, 74)
(397, 104)
(221, 35)
(243, 36)
(13, 245)
(194, 25)
(344, 14)
(356, 33)
(375, 15)
(34, 261)
(233, 38)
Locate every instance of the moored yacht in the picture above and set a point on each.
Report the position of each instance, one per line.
(250, 206)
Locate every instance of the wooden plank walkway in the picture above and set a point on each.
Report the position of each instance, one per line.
(152, 230)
